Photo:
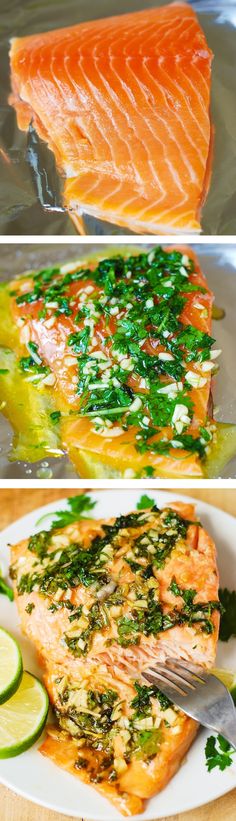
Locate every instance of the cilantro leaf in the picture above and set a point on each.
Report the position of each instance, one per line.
(193, 339)
(80, 340)
(142, 701)
(191, 443)
(188, 594)
(145, 502)
(55, 416)
(127, 630)
(228, 616)
(77, 506)
(218, 753)
(147, 743)
(6, 590)
(148, 471)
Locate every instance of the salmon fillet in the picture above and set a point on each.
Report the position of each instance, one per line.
(124, 104)
(140, 773)
(118, 594)
(127, 349)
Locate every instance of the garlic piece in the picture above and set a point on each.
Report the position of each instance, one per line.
(195, 380)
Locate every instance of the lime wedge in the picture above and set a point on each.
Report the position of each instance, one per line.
(10, 666)
(228, 678)
(22, 717)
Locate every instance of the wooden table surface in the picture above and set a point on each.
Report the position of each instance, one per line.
(16, 502)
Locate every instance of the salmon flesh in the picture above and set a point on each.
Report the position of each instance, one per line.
(123, 103)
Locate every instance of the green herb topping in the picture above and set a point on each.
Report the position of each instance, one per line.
(5, 589)
(143, 375)
(218, 753)
(228, 613)
(98, 716)
(145, 502)
(124, 608)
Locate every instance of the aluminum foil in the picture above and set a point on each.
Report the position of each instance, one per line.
(218, 263)
(30, 189)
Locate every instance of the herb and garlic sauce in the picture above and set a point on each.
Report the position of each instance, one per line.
(115, 579)
(134, 363)
(111, 724)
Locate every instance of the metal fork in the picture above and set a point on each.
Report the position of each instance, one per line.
(198, 693)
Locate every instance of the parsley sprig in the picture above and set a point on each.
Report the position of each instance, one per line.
(218, 753)
(77, 506)
(145, 501)
(5, 589)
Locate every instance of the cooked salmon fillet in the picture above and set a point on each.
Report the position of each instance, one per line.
(186, 554)
(124, 104)
(118, 594)
(124, 348)
(140, 773)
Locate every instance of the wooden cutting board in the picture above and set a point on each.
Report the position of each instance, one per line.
(15, 503)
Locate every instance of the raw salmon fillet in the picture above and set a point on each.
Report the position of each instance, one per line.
(101, 600)
(124, 104)
(128, 345)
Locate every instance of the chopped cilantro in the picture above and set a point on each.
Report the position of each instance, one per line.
(147, 743)
(33, 348)
(55, 416)
(38, 543)
(97, 620)
(149, 471)
(193, 444)
(128, 631)
(54, 606)
(141, 703)
(30, 296)
(187, 595)
(63, 306)
(153, 620)
(146, 294)
(75, 565)
(29, 608)
(79, 341)
(46, 274)
(193, 340)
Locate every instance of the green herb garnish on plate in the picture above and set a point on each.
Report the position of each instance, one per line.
(228, 615)
(145, 502)
(77, 507)
(218, 753)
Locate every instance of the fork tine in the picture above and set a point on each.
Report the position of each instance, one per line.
(187, 667)
(211, 705)
(170, 687)
(173, 676)
(170, 691)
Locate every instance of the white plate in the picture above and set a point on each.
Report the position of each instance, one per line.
(37, 778)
